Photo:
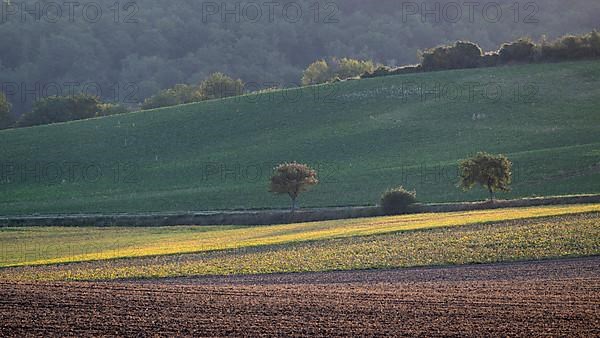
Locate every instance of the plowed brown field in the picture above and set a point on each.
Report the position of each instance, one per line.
(556, 298)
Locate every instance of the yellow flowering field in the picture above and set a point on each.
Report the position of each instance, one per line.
(396, 241)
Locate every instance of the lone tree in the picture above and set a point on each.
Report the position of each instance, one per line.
(292, 179)
(487, 170)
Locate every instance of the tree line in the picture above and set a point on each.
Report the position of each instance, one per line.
(460, 55)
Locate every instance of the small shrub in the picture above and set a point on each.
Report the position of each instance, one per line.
(397, 201)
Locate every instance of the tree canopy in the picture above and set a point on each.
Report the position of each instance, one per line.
(490, 171)
(55, 109)
(292, 179)
(137, 49)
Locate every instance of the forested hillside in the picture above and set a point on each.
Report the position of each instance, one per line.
(127, 51)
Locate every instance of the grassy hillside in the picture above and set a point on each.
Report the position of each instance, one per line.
(363, 136)
(382, 242)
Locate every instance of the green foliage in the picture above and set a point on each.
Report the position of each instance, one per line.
(359, 143)
(336, 70)
(397, 201)
(172, 43)
(468, 55)
(572, 47)
(55, 109)
(346, 68)
(317, 72)
(491, 171)
(292, 179)
(179, 94)
(461, 55)
(522, 50)
(386, 71)
(490, 59)
(6, 119)
(106, 109)
(219, 85)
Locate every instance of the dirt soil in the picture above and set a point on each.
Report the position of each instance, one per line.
(548, 298)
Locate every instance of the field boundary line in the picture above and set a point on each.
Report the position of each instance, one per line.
(270, 217)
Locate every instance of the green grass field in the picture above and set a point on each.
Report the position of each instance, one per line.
(383, 242)
(363, 137)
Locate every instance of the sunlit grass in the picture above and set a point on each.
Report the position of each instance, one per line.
(53, 245)
(521, 239)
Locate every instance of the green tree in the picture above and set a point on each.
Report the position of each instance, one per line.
(322, 71)
(490, 171)
(345, 68)
(55, 109)
(180, 94)
(6, 119)
(317, 72)
(219, 85)
(462, 54)
(292, 179)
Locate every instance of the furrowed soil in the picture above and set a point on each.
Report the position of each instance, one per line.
(543, 298)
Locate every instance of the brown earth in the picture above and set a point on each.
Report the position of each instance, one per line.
(548, 298)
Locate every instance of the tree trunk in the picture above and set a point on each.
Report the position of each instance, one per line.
(491, 193)
(294, 204)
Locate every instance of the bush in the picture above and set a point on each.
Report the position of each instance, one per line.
(346, 68)
(219, 85)
(572, 47)
(317, 72)
(397, 201)
(522, 50)
(106, 109)
(490, 59)
(179, 94)
(55, 109)
(379, 71)
(336, 70)
(461, 55)
(386, 71)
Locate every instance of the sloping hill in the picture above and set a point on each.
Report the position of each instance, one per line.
(363, 136)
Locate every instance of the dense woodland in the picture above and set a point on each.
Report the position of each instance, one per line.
(132, 51)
